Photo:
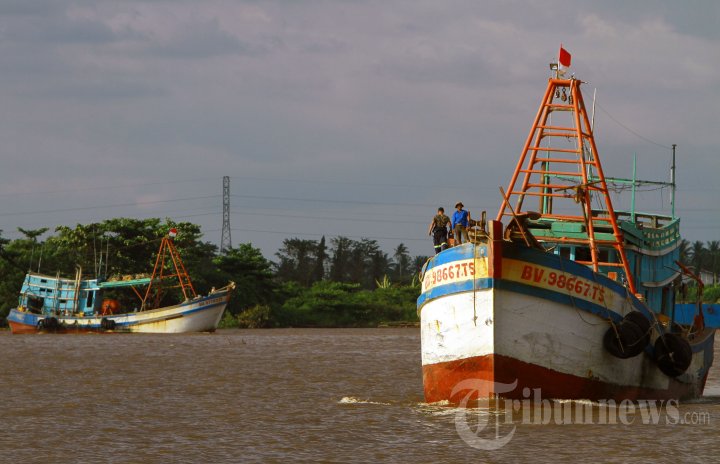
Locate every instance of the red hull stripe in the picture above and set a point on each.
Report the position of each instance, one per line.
(18, 328)
(440, 380)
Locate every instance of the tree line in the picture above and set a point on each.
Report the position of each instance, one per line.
(703, 256)
(335, 282)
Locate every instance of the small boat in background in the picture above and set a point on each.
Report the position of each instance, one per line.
(573, 299)
(61, 305)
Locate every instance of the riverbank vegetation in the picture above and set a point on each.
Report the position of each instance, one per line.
(339, 282)
(335, 282)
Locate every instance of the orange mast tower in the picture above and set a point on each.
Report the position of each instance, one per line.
(560, 162)
(160, 273)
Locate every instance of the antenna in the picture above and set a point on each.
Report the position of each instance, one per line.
(226, 240)
(672, 182)
(42, 246)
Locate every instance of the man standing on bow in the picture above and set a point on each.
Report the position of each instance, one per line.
(460, 222)
(439, 230)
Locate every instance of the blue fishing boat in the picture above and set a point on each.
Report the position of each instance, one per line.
(78, 305)
(561, 293)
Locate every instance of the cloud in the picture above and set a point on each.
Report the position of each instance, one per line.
(436, 97)
(207, 39)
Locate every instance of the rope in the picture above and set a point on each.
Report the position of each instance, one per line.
(630, 130)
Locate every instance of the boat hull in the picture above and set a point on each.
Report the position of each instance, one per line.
(199, 315)
(511, 327)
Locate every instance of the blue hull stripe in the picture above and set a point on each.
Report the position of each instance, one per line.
(487, 283)
(458, 253)
(457, 287)
(533, 256)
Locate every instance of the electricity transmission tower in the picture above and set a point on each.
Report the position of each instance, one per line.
(226, 241)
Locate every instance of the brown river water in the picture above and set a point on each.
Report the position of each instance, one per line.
(295, 395)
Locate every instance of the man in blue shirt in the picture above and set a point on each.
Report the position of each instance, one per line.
(460, 221)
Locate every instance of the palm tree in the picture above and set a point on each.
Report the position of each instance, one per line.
(685, 252)
(697, 256)
(402, 261)
(713, 250)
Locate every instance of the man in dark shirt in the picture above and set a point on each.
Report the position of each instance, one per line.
(439, 230)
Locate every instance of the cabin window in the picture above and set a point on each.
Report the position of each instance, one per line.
(35, 303)
(582, 254)
(90, 299)
(604, 255)
(564, 252)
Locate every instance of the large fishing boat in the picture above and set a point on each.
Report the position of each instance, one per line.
(561, 292)
(60, 305)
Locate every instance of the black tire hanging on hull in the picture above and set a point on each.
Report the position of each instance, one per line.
(673, 354)
(107, 324)
(49, 324)
(628, 338)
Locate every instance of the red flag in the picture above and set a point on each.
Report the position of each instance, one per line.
(564, 58)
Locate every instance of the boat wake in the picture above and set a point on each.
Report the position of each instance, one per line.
(356, 400)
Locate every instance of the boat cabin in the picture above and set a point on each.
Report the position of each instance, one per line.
(48, 295)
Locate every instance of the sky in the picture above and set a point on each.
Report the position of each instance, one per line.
(346, 117)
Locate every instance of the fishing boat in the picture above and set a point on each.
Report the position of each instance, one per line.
(63, 305)
(561, 294)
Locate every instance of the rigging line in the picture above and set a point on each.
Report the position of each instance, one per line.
(147, 216)
(630, 130)
(118, 205)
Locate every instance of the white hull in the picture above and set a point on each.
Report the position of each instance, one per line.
(202, 314)
(525, 328)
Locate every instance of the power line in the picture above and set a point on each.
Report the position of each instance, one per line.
(328, 200)
(335, 218)
(118, 205)
(105, 187)
(424, 186)
(311, 234)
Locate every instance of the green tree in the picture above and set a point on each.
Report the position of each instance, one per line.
(321, 258)
(252, 273)
(31, 236)
(297, 260)
(339, 263)
(697, 256)
(684, 252)
(419, 262)
(402, 262)
(379, 266)
(11, 273)
(713, 250)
